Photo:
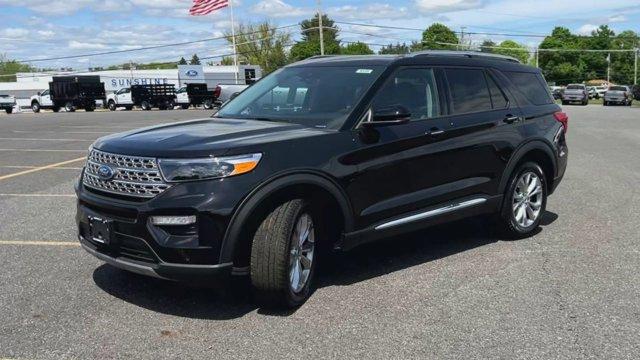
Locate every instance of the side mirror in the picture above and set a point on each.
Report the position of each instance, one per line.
(389, 115)
(39, 93)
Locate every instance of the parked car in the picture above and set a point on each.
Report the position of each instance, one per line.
(7, 103)
(70, 93)
(635, 91)
(575, 93)
(325, 154)
(593, 93)
(557, 93)
(618, 95)
(600, 90)
(224, 92)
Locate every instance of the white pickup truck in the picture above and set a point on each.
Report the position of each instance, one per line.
(121, 98)
(226, 92)
(7, 103)
(42, 101)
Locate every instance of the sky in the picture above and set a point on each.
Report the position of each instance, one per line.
(36, 29)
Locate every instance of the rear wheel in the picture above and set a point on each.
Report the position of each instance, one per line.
(145, 105)
(8, 110)
(68, 107)
(283, 255)
(184, 106)
(525, 201)
(35, 107)
(208, 104)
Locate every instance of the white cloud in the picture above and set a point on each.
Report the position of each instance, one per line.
(586, 29)
(370, 12)
(78, 45)
(57, 7)
(14, 33)
(279, 9)
(442, 6)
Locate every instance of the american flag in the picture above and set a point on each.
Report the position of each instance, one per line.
(204, 7)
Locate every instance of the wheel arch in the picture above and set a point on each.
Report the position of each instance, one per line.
(538, 151)
(236, 244)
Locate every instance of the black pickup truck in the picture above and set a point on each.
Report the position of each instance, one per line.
(75, 92)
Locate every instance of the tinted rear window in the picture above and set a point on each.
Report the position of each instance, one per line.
(469, 91)
(575, 87)
(618, 88)
(532, 86)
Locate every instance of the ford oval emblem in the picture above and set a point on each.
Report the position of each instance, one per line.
(105, 172)
(191, 73)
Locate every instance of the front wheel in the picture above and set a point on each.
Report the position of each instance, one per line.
(35, 107)
(112, 105)
(283, 255)
(524, 202)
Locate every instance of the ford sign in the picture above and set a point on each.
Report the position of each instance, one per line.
(191, 73)
(105, 173)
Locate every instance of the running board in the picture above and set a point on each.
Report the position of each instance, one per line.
(431, 213)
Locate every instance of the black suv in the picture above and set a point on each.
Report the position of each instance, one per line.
(325, 154)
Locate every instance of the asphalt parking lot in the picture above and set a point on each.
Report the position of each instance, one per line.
(456, 291)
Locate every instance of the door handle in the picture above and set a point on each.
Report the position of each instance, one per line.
(510, 119)
(435, 132)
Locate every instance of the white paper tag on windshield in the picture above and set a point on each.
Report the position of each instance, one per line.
(364, 71)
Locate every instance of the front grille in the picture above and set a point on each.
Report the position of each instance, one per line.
(133, 175)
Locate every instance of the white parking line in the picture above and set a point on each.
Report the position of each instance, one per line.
(35, 167)
(39, 195)
(57, 132)
(40, 243)
(43, 150)
(4, 177)
(36, 139)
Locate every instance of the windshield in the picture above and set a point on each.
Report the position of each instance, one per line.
(318, 96)
(46, 92)
(122, 91)
(618, 88)
(181, 90)
(575, 87)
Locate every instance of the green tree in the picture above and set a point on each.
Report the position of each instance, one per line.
(195, 60)
(395, 49)
(356, 48)
(309, 44)
(438, 37)
(513, 49)
(562, 67)
(227, 60)
(182, 61)
(261, 44)
(487, 46)
(8, 69)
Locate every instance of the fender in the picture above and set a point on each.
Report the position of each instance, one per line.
(278, 182)
(520, 152)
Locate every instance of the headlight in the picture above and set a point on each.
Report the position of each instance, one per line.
(174, 170)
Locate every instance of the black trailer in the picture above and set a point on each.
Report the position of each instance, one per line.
(162, 96)
(76, 92)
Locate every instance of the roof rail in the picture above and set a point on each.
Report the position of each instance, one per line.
(469, 54)
(320, 57)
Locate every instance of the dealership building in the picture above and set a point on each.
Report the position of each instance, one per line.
(29, 84)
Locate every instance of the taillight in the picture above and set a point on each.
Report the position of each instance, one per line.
(217, 91)
(563, 119)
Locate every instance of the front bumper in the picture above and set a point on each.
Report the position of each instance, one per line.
(162, 270)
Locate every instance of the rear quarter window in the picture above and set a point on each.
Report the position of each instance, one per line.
(532, 86)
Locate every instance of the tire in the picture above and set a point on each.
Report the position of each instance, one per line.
(112, 105)
(605, 103)
(35, 107)
(8, 110)
(145, 105)
(185, 106)
(89, 109)
(208, 104)
(585, 103)
(128, 108)
(170, 105)
(68, 107)
(565, 102)
(516, 221)
(55, 109)
(275, 256)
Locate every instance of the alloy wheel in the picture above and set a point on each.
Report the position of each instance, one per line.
(301, 253)
(527, 199)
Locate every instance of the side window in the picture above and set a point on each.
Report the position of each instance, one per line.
(498, 99)
(531, 86)
(468, 89)
(412, 88)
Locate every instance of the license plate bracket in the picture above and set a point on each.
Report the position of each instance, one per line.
(100, 229)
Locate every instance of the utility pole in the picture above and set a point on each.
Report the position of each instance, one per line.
(635, 68)
(537, 63)
(320, 29)
(608, 68)
(461, 41)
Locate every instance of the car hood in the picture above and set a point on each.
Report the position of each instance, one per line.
(205, 137)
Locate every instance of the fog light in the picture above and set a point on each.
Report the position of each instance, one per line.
(173, 220)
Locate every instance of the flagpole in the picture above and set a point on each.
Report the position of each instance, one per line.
(233, 35)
